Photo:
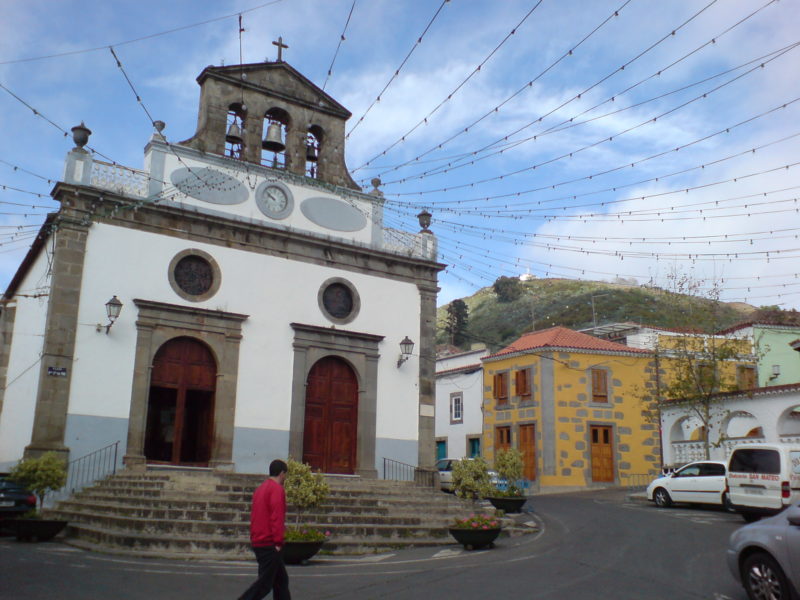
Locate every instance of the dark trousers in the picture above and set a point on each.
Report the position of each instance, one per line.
(272, 576)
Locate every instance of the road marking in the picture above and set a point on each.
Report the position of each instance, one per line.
(447, 553)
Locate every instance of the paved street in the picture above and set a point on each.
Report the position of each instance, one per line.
(589, 545)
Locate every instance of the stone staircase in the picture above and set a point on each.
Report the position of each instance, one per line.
(199, 514)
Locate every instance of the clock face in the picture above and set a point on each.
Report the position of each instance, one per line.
(274, 199)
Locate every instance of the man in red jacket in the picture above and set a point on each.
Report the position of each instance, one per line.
(267, 528)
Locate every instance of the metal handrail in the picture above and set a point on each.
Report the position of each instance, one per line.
(84, 471)
(394, 470)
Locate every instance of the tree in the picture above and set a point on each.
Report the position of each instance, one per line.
(696, 365)
(456, 324)
(510, 466)
(45, 473)
(508, 289)
(471, 478)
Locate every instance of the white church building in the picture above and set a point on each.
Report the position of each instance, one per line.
(258, 304)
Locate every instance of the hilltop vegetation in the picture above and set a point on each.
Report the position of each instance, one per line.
(501, 313)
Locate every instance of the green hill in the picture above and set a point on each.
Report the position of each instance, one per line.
(497, 320)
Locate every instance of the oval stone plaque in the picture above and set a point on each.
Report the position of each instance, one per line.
(209, 185)
(332, 213)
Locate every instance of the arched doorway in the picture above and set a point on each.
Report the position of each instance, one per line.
(331, 419)
(180, 408)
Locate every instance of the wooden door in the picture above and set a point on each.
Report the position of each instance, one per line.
(602, 454)
(527, 445)
(502, 439)
(331, 419)
(180, 410)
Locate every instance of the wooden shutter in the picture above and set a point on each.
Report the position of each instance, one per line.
(599, 385)
(523, 383)
(501, 388)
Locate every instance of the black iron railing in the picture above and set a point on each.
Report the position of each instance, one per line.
(84, 471)
(394, 470)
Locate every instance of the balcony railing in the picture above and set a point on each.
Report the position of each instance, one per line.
(122, 180)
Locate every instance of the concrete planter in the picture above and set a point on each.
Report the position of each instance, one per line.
(41, 530)
(474, 539)
(509, 504)
(299, 553)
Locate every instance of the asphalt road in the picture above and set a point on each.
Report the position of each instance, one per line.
(589, 545)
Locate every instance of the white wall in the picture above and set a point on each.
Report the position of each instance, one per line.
(731, 419)
(470, 385)
(273, 291)
(22, 379)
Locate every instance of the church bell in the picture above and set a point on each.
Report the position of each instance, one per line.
(311, 153)
(272, 141)
(234, 135)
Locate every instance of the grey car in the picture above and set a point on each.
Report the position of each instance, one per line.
(765, 556)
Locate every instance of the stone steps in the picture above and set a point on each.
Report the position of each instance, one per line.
(206, 515)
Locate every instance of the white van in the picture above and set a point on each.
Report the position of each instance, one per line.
(763, 479)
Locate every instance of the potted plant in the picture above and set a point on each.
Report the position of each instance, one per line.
(471, 478)
(304, 490)
(476, 531)
(510, 467)
(45, 473)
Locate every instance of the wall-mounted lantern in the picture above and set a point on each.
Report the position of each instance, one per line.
(406, 347)
(113, 308)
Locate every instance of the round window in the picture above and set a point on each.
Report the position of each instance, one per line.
(339, 300)
(194, 275)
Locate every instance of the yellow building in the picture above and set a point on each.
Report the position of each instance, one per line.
(572, 404)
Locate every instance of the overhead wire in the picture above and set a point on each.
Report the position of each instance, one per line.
(530, 83)
(139, 39)
(397, 71)
(339, 45)
(449, 96)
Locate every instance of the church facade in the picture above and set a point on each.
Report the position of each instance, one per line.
(261, 300)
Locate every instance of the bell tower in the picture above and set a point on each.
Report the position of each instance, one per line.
(269, 114)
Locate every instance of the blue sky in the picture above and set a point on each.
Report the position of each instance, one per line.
(549, 159)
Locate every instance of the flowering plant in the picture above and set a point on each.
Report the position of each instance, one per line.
(477, 522)
(305, 534)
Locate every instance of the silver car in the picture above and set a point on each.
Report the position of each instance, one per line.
(765, 556)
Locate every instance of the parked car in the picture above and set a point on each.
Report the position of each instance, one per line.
(15, 500)
(700, 482)
(765, 556)
(763, 479)
(445, 468)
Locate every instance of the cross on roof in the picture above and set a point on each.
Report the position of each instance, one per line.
(280, 46)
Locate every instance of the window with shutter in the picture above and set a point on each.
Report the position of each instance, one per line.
(599, 385)
(501, 388)
(524, 384)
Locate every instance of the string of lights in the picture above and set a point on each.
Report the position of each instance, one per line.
(530, 83)
(618, 187)
(501, 146)
(339, 45)
(424, 120)
(610, 138)
(142, 38)
(397, 71)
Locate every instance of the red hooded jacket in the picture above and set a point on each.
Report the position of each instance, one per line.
(268, 515)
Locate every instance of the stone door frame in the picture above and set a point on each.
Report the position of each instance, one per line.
(158, 323)
(360, 351)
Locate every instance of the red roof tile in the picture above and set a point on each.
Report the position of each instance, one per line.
(565, 339)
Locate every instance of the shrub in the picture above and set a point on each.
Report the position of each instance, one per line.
(471, 478)
(45, 473)
(304, 489)
(510, 467)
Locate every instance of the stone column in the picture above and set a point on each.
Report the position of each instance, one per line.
(58, 348)
(427, 373)
(6, 334)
